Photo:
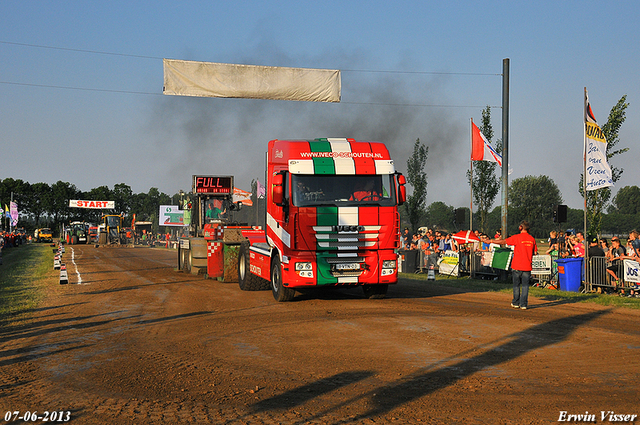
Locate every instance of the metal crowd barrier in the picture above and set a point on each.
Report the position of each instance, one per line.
(478, 267)
(597, 276)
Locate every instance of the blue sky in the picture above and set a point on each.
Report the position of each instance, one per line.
(81, 84)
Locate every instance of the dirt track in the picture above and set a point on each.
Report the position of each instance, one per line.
(137, 342)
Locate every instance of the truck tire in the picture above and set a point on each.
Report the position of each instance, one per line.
(280, 292)
(247, 280)
(375, 291)
(74, 240)
(102, 239)
(198, 256)
(186, 260)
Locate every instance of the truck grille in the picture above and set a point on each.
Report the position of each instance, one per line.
(351, 238)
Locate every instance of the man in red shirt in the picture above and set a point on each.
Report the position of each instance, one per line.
(524, 247)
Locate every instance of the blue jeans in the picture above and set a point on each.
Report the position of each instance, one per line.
(520, 287)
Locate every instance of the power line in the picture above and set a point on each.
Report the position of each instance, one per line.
(76, 88)
(417, 105)
(98, 52)
(68, 49)
(159, 94)
(422, 72)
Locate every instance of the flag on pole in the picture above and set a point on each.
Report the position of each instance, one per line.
(481, 150)
(13, 206)
(598, 171)
(260, 189)
(243, 196)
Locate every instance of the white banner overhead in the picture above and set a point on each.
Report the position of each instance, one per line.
(208, 79)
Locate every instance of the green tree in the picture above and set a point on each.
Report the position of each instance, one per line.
(61, 193)
(532, 198)
(620, 224)
(20, 191)
(122, 195)
(100, 193)
(626, 201)
(485, 184)
(40, 201)
(417, 178)
(597, 199)
(149, 205)
(440, 216)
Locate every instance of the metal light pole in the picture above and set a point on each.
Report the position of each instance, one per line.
(505, 144)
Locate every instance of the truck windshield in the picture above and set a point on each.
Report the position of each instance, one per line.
(343, 190)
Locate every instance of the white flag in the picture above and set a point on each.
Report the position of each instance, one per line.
(595, 145)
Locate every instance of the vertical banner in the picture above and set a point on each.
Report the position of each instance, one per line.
(598, 172)
(13, 212)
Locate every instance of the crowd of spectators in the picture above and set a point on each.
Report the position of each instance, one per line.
(566, 245)
(562, 244)
(431, 244)
(11, 239)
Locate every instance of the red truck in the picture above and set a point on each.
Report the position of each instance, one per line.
(331, 219)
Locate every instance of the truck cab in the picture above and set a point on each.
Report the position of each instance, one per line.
(332, 218)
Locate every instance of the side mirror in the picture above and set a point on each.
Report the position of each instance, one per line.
(277, 194)
(402, 190)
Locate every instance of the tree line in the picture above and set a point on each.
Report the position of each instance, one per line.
(530, 198)
(44, 205)
(622, 216)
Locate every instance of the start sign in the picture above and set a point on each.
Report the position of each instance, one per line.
(92, 204)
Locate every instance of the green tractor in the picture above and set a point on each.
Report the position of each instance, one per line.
(76, 232)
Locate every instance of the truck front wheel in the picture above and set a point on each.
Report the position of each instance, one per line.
(247, 280)
(280, 292)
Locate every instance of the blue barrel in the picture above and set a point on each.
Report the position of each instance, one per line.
(569, 273)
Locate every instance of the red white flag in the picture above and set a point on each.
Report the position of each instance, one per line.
(481, 150)
(243, 196)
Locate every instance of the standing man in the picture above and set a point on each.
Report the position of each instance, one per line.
(406, 239)
(594, 249)
(524, 248)
(618, 252)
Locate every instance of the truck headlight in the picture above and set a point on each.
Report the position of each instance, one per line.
(303, 267)
(389, 264)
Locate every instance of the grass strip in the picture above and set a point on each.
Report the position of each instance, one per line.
(24, 272)
(479, 285)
